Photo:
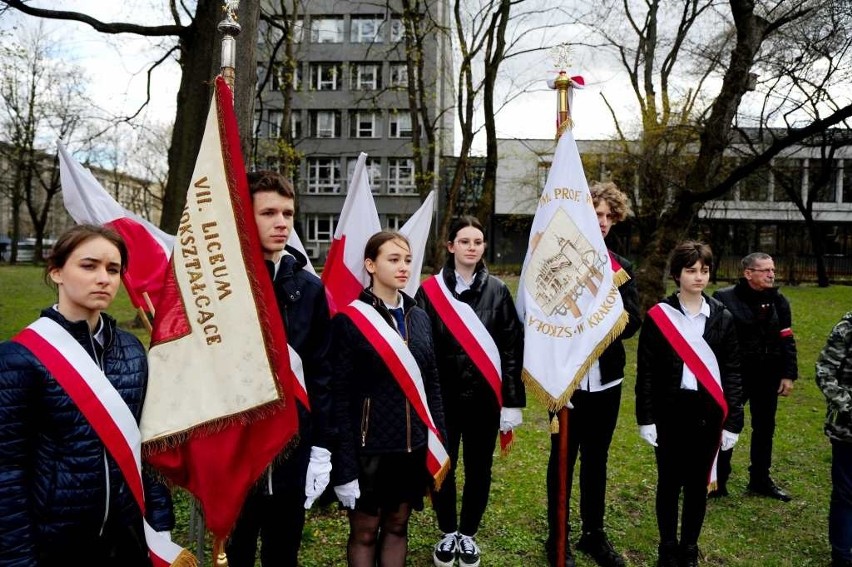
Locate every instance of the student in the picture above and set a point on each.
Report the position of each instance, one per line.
(275, 508)
(596, 402)
(688, 397)
(472, 312)
(834, 379)
(387, 408)
(63, 494)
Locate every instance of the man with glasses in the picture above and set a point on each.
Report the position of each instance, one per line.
(768, 350)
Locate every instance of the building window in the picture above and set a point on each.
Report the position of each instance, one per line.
(295, 124)
(326, 30)
(298, 30)
(395, 222)
(846, 180)
(325, 123)
(274, 118)
(401, 175)
(755, 187)
(397, 30)
(822, 178)
(325, 76)
(400, 124)
(399, 75)
(365, 77)
(364, 124)
(320, 228)
(374, 172)
(323, 175)
(256, 125)
(366, 29)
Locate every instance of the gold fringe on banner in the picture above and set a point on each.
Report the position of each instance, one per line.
(185, 559)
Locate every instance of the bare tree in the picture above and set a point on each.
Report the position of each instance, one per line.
(672, 52)
(197, 47)
(42, 100)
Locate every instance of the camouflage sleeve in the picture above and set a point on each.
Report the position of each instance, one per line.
(833, 358)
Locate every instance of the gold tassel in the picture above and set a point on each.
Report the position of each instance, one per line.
(185, 559)
(441, 475)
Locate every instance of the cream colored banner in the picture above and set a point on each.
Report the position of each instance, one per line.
(221, 368)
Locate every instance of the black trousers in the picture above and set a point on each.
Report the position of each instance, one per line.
(278, 518)
(477, 424)
(687, 442)
(762, 396)
(591, 425)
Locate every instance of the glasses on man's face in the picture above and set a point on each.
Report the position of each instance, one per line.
(762, 270)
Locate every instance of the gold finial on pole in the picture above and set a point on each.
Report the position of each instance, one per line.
(230, 29)
(562, 84)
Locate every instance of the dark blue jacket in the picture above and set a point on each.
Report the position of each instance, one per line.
(58, 484)
(372, 412)
(304, 310)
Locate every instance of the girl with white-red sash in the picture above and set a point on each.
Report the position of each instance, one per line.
(387, 408)
(473, 316)
(67, 492)
(688, 398)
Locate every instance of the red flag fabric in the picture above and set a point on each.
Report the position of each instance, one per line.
(148, 246)
(220, 402)
(344, 274)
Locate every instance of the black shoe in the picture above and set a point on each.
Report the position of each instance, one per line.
(840, 562)
(551, 554)
(769, 489)
(720, 491)
(688, 556)
(597, 545)
(667, 555)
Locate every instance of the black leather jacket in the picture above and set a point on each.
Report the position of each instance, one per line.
(660, 369)
(492, 302)
(57, 481)
(371, 411)
(760, 318)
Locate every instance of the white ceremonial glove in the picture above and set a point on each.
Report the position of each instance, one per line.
(348, 493)
(319, 474)
(510, 418)
(729, 440)
(569, 405)
(649, 433)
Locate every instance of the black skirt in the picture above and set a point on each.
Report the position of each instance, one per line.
(387, 480)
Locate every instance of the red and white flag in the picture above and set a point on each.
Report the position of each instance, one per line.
(344, 274)
(567, 299)
(416, 229)
(148, 247)
(220, 403)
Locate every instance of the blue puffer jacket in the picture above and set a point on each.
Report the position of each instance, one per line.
(57, 483)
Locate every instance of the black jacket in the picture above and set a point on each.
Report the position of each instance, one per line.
(613, 359)
(57, 481)
(371, 411)
(492, 302)
(304, 310)
(660, 369)
(760, 318)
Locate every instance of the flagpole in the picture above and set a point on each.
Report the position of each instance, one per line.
(230, 29)
(563, 122)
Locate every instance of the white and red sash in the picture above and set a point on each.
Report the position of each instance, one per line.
(696, 355)
(472, 336)
(299, 388)
(107, 413)
(402, 365)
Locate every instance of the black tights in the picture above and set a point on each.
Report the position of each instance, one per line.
(387, 532)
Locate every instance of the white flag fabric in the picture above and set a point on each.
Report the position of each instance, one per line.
(344, 274)
(416, 229)
(570, 306)
(296, 243)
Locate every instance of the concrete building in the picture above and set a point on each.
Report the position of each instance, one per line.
(349, 96)
(758, 214)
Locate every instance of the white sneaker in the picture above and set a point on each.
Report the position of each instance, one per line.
(446, 551)
(468, 551)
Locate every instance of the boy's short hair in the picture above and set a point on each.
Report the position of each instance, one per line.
(686, 254)
(267, 180)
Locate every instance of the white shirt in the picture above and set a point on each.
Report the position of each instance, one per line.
(591, 382)
(696, 324)
(462, 285)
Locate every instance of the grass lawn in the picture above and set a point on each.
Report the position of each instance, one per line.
(740, 530)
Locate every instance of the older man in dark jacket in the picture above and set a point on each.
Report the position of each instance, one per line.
(769, 368)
